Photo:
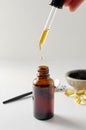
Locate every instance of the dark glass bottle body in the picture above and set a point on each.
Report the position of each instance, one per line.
(43, 94)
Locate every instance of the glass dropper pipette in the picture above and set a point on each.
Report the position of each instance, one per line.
(47, 26)
(55, 4)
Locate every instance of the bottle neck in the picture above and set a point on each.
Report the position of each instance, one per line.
(43, 72)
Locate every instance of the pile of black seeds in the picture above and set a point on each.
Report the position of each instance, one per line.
(80, 74)
(57, 3)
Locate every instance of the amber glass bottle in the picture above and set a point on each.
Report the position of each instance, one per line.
(43, 94)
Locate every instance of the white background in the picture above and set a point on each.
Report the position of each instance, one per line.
(21, 24)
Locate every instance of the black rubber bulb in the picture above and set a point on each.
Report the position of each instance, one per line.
(57, 3)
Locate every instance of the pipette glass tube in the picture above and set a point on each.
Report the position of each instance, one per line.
(47, 26)
(55, 4)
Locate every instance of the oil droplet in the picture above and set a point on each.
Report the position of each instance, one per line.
(42, 58)
(79, 96)
(69, 92)
(77, 99)
(80, 92)
(84, 97)
(83, 101)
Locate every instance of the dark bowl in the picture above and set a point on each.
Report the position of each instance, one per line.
(76, 78)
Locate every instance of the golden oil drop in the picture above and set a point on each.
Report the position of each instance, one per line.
(69, 92)
(77, 99)
(80, 92)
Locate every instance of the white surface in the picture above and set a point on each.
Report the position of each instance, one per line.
(16, 78)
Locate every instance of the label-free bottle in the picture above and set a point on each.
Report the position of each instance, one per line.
(43, 94)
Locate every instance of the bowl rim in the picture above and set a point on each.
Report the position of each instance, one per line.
(74, 70)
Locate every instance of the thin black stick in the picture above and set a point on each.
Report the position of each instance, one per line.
(16, 98)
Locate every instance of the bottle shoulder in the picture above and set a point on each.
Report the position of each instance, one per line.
(45, 81)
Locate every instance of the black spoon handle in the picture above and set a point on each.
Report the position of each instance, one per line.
(17, 98)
